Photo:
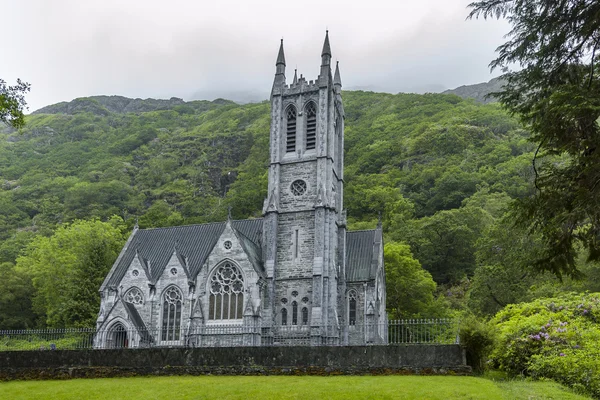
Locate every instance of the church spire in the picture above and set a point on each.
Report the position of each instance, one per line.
(279, 70)
(295, 77)
(326, 53)
(280, 56)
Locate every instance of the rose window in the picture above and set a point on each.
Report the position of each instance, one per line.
(226, 293)
(298, 187)
(227, 244)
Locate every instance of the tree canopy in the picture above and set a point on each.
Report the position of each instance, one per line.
(12, 103)
(67, 269)
(552, 85)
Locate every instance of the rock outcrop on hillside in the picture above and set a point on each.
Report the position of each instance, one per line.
(479, 91)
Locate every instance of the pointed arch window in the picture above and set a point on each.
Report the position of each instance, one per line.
(290, 117)
(294, 313)
(171, 314)
(283, 316)
(352, 307)
(226, 300)
(311, 126)
(304, 316)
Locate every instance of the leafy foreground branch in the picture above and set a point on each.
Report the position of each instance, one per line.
(556, 93)
(12, 103)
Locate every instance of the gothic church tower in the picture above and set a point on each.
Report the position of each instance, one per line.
(304, 231)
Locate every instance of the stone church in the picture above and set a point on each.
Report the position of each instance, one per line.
(295, 276)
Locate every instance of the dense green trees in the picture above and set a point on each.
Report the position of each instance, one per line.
(67, 268)
(410, 289)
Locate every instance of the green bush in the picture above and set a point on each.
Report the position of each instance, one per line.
(556, 338)
(477, 337)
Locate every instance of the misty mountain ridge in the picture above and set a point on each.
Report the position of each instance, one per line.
(105, 105)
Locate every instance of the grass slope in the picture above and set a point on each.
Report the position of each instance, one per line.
(283, 387)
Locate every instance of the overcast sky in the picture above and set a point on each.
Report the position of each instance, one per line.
(197, 49)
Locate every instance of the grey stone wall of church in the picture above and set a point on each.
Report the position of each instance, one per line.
(307, 171)
(424, 359)
(287, 265)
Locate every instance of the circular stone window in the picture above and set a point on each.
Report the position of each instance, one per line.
(135, 272)
(295, 293)
(284, 301)
(298, 187)
(227, 244)
(173, 271)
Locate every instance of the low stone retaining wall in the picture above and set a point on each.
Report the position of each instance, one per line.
(63, 364)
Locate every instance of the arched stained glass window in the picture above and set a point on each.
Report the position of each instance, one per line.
(294, 313)
(304, 316)
(311, 126)
(226, 293)
(283, 316)
(352, 307)
(171, 314)
(290, 117)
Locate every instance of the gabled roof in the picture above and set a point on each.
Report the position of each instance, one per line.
(360, 249)
(156, 246)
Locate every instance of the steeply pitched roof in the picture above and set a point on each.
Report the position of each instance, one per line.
(156, 246)
(359, 255)
(137, 321)
(253, 251)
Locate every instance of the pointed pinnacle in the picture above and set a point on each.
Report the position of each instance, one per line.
(326, 47)
(280, 56)
(295, 76)
(336, 79)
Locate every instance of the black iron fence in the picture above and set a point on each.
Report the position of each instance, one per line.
(413, 331)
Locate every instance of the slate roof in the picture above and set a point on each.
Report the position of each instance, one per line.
(137, 321)
(193, 242)
(359, 255)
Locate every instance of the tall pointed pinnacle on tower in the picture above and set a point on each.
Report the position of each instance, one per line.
(280, 56)
(279, 70)
(326, 53)
(337, 81)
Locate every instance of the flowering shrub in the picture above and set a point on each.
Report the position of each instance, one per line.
(557, 338)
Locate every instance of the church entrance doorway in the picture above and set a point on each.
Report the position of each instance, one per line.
(119, 337)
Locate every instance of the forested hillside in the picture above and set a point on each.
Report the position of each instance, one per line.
(441, 171)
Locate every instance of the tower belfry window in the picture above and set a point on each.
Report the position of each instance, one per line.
(311, 126)
(290, 145)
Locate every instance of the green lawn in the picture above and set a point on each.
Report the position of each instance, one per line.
(285, 387)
